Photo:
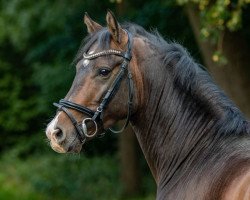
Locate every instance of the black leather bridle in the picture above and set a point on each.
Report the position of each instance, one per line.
(96, 117)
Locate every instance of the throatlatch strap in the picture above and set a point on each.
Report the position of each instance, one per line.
(130, 99)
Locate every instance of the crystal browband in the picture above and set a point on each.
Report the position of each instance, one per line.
(103, 53)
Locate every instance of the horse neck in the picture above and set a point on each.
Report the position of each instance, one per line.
(171, 127)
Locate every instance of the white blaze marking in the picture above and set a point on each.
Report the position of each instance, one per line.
(51, 128)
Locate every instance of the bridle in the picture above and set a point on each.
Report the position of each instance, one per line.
(96, 117)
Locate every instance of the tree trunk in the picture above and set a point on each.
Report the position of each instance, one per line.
(130, 168)
(128, 147)
(234, 77)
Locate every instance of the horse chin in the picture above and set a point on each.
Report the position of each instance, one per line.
(74, 146)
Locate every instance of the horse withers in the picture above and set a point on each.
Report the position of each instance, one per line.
(195, 140)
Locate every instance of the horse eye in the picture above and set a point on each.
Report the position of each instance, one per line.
(104, 72)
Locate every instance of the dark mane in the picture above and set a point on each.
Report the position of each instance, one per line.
(193, 124)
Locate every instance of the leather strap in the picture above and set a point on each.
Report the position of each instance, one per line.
(77, 126)
(78, 107)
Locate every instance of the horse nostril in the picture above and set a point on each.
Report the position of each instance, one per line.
(58, 135)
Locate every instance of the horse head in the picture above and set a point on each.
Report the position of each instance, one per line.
(102, 90)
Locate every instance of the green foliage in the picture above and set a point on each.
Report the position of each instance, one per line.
(216, 17)
(219, 14)
(60, 177)
(49, 175)
(38, 41)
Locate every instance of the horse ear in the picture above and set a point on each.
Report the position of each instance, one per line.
(114, 27)
(91, 25)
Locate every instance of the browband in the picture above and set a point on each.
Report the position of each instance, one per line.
(103, 53)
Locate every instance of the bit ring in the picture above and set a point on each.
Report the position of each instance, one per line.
(85, 129)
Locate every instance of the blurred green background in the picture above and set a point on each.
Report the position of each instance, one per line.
(38, 41)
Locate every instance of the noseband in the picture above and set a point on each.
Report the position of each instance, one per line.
(96, 117)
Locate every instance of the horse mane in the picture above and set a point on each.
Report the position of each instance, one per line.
(203, 125)
(195, 81)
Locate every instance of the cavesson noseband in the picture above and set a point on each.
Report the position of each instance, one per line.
(96, 117)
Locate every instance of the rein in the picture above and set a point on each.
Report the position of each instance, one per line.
(96, 117)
